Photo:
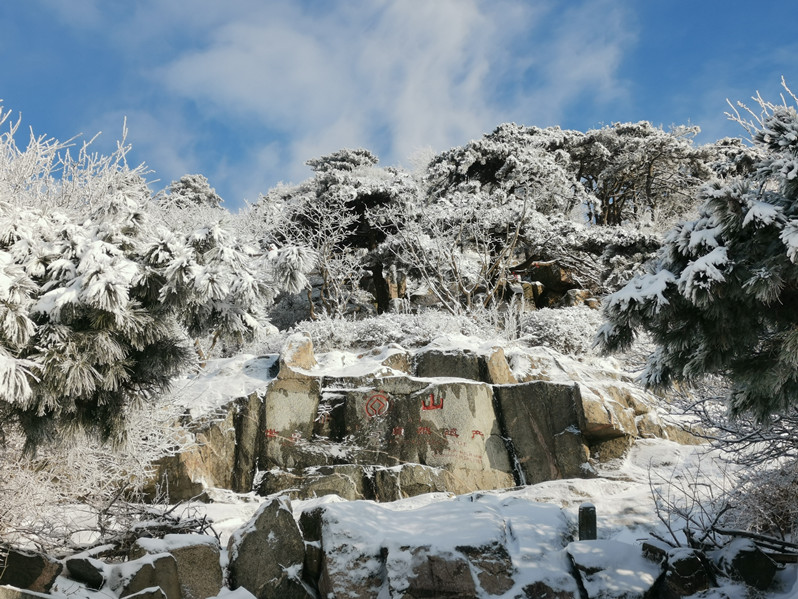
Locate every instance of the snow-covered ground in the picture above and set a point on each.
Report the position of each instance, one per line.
(622, 493)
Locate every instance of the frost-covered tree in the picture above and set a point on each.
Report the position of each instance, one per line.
(191, 191)
(635, 172)
(331, 215)
(723, 297)
(99, 303)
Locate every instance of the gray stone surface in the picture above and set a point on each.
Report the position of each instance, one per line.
(199, 573)
(432, 575)
(290, 409)
(267, 554)
(87, 570)
(742, 560)
(542, 420)
(28, 570)
(159, 570)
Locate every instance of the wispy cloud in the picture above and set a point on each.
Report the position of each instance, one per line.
(390, 75)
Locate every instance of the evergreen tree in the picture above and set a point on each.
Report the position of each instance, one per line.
(723, 296)
(191, 191)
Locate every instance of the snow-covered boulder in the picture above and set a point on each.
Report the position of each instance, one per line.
(611, 569)
(84, 568)
(267, 554)
(152, 570)
(199, 573)
(423, 549)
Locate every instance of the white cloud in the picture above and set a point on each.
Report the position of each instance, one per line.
(393, 76)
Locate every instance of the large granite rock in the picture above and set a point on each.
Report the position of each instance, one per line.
(490, 367)
(158, 570)
(27, 569)
(450, 425)
(199, 573)
(267, 554)
(371, 550)
(216, 458)
(541, 420)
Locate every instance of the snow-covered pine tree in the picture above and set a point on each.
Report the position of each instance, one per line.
(723, 296)
(98, 301)
(191, 191)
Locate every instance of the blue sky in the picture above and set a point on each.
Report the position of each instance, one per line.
(245, 91)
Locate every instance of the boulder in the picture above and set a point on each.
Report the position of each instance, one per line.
(87, 570)
(492, 565)
(371, 550)
(27, 570)
(158, 570)
(267, 554)
(602, 417)
(742, 560)
(611, 569)
(217, 458)
(198, 570)
(612, 449)
(344, 480)
(296, 356)
(464, 364)
(409, 480)
(497, 370)
(425, 574)
(685, 575)
(541, 419)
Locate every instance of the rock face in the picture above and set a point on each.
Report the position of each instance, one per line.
(456, 421)
(542, 421)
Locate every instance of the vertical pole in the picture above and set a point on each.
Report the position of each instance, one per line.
(587, 522)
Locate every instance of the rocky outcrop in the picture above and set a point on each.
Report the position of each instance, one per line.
(382, 556)
(435, 420)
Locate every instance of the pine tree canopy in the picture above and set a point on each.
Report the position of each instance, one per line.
(723, 295)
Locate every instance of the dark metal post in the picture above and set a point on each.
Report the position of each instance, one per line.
(587, 522)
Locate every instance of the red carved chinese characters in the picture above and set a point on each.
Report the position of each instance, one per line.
(475, 432)
(432, 403)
